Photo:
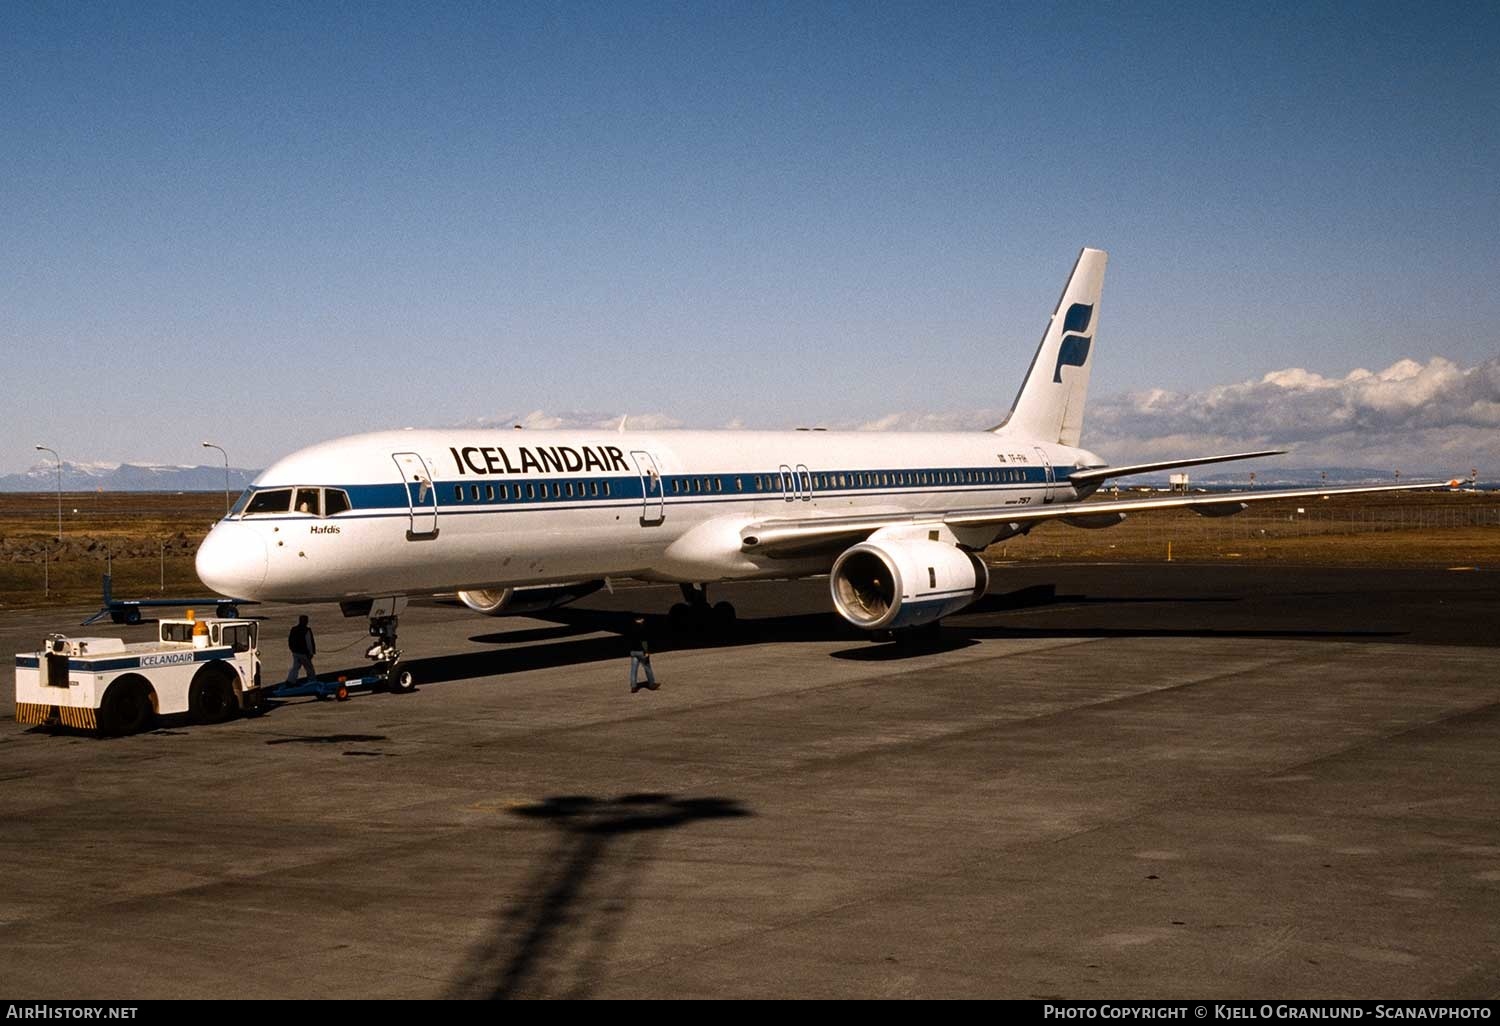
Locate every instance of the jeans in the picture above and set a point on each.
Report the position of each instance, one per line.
(640, 661)
(299, 661)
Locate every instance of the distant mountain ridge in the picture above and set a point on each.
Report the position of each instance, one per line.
(126, 477)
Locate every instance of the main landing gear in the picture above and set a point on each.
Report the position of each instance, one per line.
(695, 615)
(386, 656)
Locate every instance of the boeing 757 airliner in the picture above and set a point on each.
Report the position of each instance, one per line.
(520, 521)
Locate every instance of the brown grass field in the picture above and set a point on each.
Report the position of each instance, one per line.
(148, 539)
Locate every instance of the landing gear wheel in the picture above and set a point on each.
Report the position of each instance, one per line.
(697, 615)
(722, 617)
(401, 682)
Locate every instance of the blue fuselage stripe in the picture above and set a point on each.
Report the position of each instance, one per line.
(496, 494)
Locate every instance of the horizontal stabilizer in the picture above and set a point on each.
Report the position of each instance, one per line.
(1105, 473)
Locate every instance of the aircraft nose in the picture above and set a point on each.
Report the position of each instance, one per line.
(232, 561)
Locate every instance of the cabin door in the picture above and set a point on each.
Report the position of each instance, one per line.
(1049, 474)
(421, 495)
(653, 500)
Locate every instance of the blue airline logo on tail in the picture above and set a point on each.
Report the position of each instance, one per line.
(1074, 350)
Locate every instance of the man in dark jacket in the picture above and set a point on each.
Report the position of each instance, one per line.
(303, 648)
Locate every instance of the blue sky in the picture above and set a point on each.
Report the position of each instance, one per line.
(267, 224)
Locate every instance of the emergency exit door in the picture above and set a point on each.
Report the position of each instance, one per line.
(796, 484)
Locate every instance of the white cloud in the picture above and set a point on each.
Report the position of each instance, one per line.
(959, 420)
(1436, 416)
(1432, 417)
(541, 420)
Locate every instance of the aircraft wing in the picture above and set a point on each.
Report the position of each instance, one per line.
(1105, 473)
(788, 536)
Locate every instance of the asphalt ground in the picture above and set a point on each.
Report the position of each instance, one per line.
(1106, 781)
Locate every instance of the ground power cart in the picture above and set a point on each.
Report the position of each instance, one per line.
(209, 668)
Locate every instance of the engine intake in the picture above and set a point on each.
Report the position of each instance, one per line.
(888, 585)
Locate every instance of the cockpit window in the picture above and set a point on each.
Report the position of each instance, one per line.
(317, 502)
(272, 500)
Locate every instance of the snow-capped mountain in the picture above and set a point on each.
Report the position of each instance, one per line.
(126, 477)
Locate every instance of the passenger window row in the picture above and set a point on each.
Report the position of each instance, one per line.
(701, 485)
(895, 479)
(518, 492)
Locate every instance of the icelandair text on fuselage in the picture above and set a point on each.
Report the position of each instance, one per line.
(1267, 1012)
(541, 459)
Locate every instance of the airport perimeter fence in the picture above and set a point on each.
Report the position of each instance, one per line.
(1313, 519)
(50, 575)
(1148, 535)
(1309, 521)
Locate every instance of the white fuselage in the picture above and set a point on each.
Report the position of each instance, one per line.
(449, 510)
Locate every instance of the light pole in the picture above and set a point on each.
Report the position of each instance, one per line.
(55, 456)
(210, 445)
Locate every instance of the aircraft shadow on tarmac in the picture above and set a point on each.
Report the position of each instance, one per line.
(555, 937)
(574, 638)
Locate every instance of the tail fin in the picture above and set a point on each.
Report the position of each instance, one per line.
(1049, 407)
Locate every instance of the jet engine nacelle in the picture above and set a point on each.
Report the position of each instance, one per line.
(518, 601)
(889, 584)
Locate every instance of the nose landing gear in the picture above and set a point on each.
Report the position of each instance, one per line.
(383, 651)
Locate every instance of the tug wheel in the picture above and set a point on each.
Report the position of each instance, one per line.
(211, 699)
(402, 682)
(127, 707)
